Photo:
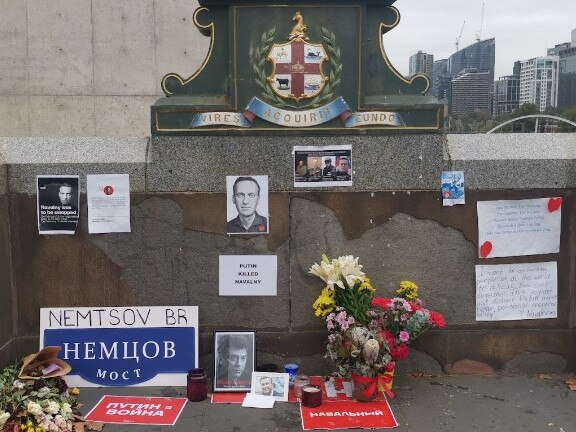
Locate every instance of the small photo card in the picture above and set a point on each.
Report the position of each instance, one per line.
(322, 166)
(271, 384)
(452, 188)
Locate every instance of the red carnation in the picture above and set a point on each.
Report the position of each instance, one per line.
(437, 319)
(415, 306)
(399, 352)
(390, 367)
(382, 302)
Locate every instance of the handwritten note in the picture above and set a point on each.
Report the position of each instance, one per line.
(519, 227)
(516, 291)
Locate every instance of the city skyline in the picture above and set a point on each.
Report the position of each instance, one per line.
(523, 29)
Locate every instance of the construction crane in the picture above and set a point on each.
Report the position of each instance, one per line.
(459, 36)
(479, 34)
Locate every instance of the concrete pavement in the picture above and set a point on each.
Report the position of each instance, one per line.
(423, 404)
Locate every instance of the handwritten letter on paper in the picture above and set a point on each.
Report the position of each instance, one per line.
(516, 291)
(519, 227)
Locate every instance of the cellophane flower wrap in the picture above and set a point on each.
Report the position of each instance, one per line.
(367, 335)
(40, 405)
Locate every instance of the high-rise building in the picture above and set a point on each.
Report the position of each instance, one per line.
(421, 63)
(480, 56)
(506, 94)
(567, 77)
(470, 92)
(440, 79)
(539, 82)
(557, 48)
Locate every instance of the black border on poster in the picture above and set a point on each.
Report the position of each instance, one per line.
(220, 385)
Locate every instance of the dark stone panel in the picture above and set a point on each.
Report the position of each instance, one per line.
(400, 235)
(439, 259)
(58, 271)
(500, 348)
(7, 300)
(172, 257)
(8, 354)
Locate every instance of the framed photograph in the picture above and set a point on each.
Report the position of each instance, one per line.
(234, 360)
(247, 209)
(271, 384)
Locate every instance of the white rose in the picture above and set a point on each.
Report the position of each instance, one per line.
(34, 409)
(3, 417)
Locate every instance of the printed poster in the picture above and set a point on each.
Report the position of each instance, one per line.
(108, 203)
(452, 185)
(57, 199)
(519, 227)
(247, 204)
(516, 291)
(161, 411)
(322, 166)
(348, 415)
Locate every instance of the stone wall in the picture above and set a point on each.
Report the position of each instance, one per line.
(7, 303)
(392, 218)
(103, 79)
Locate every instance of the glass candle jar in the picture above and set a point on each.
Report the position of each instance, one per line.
(301, 381)
(197, 385)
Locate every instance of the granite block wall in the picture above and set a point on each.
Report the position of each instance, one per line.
(392, 218)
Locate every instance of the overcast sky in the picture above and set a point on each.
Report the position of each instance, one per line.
(523, 28)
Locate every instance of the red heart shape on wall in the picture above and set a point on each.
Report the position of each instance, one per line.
(485, 249)
(554, 204)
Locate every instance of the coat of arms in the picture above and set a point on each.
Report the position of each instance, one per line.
(297, 67)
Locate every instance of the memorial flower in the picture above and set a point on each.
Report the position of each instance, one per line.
(38, 405)
(367, 335)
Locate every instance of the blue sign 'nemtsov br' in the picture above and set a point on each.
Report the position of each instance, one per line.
(124, 356)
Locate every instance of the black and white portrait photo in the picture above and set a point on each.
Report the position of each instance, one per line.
(57, 203)
(233, 360)
(247, 207)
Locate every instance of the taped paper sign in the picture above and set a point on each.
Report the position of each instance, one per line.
(519, 227)
(516, 291)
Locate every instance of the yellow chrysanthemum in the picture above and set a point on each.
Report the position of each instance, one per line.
(408, 290)
(366, 285)
(75, 391)
(324, 304)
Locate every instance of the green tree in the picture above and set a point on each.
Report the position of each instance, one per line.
(568, 114)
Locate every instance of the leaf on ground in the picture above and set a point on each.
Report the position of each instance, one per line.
(84, 426)
(571, 383)
(545, 376)
(419, 374)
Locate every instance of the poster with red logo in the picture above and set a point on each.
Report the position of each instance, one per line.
(348, 415)
(108, 203)
(137, 410)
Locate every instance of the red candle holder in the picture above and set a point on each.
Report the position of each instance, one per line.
(197, 385)
(311, 396)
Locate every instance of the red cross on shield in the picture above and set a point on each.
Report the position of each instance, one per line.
(297, 69)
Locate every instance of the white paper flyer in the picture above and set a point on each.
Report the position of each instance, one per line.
(108, 203)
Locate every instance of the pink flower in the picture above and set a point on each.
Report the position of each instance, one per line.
(404, 336)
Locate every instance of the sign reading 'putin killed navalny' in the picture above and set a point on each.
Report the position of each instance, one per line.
(124, 346)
